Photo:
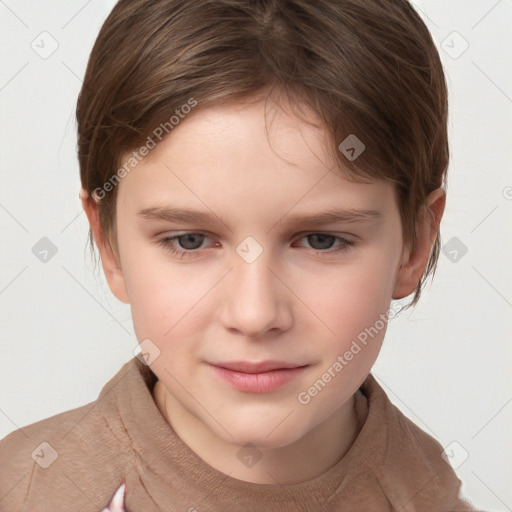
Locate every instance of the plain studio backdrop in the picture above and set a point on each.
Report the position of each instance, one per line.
(446, 364)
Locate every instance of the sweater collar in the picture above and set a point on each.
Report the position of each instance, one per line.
(387, 447)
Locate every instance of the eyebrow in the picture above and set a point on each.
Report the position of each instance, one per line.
(332, 216)
(329, 216)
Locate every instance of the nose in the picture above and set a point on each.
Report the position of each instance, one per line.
(256, 301)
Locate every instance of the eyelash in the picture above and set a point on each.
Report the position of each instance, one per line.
(168, 244)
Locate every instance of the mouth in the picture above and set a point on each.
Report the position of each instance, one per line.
(257, 377)
(256, 367)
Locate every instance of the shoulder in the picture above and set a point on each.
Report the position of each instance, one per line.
(60, 459)
(43, 441)
(412, 470)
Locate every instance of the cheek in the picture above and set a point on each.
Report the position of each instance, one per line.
(164, 297)
(352, 293)
(348, 302)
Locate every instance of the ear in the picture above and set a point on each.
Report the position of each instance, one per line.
(111, 265)
(415, 259)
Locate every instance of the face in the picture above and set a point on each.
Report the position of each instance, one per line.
(254, 302)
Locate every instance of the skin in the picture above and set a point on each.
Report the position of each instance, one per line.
(298, 301)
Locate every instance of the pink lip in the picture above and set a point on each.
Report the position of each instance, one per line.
(262, 377)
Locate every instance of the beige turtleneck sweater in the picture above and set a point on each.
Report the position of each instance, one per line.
(123, 438)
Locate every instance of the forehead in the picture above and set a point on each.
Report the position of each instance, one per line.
(257, 150)
(252, 128)
(239, 129)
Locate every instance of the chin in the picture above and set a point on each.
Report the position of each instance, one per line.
(262, 433)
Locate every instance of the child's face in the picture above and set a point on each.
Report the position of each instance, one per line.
(300, 302)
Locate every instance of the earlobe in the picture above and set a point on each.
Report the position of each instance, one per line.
(109, 261)
(415, 258)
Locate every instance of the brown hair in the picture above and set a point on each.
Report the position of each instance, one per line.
(368, 68)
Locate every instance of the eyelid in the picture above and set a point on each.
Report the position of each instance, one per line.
(325, 232)
(300, 234)
(344, 245)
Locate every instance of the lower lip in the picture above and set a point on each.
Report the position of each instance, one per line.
(264, 382)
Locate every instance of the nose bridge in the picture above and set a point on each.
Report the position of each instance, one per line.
(255, 298)
(254, 278)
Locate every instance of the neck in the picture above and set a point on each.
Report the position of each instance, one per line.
(305, 459)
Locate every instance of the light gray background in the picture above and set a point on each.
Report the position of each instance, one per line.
(446, 364)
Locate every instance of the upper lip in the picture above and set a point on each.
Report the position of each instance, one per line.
(256, 367)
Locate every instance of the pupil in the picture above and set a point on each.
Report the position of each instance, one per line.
(187, 239)
(323, 238)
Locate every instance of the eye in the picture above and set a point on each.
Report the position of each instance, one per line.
(324, 242)
(188, 244)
